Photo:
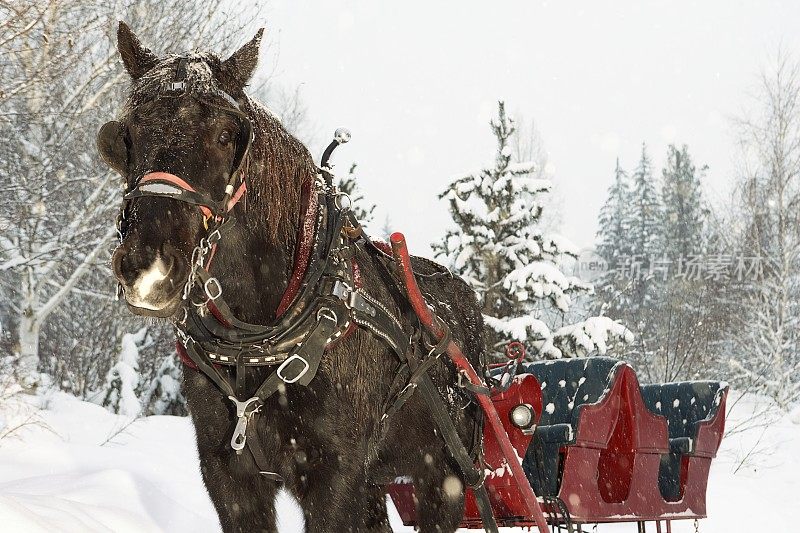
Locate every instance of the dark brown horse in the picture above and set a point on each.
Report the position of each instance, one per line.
(186, 130)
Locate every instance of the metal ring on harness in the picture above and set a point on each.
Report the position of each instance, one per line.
(338, 201)
(327, 312)
(212, 282)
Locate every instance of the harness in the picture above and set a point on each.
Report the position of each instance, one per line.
(323, 301)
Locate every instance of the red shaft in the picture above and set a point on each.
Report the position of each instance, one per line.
(400, 252)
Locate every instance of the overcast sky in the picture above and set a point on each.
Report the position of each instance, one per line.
(416, 83)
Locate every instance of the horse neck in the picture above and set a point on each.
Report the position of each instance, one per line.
(254, 271)
(260, 257)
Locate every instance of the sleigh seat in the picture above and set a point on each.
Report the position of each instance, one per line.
(568, 385)
(692, 411)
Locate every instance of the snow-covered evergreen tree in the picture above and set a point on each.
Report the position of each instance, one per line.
(163, 396)
(500, 249)
(686, 320)
(646, 216)
(614, 223)
(683, 211)
(613, 246)
(646, 244)
(120, 393)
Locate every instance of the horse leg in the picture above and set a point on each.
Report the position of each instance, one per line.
(245, 502)
(440, 498)
(339, 500)
(373, 515)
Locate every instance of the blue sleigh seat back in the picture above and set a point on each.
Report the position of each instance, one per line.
(566, 385)
(685, 405)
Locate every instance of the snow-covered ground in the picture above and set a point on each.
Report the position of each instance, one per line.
(78, 468)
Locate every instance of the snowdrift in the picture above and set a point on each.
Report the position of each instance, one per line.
(79, 468)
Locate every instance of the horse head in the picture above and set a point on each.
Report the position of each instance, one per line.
(183, 134)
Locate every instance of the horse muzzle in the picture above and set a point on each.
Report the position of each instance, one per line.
(152, 283)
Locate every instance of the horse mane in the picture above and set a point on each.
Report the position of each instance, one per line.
(276, 168)
(277, 165)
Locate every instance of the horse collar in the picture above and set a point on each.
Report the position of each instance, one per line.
(324, 286)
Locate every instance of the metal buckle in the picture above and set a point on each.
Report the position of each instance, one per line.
(243, 413)
(352, 299)
(212, 282)
(327, 313)
(285, 363)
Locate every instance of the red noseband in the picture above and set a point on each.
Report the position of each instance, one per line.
(166, 177)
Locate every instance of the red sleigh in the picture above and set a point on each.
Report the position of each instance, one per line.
(598, 446)
(604, 449)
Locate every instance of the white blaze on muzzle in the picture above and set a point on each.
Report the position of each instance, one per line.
(141, 293)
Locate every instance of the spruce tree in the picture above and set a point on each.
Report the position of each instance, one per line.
(614, 222)
(683, 213)
(646, 247)
(646, 216)
(647, 243)
(684, 320)
(500, 249)
(613, 244)
(630, 240)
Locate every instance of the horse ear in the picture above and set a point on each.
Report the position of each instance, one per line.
(237, 69)
(137, 58)
(112, 147)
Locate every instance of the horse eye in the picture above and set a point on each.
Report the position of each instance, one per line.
(224, 137)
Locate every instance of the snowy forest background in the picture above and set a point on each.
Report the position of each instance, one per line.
(683, 287)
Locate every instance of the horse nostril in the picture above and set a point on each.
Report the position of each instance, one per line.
(131, 262)
(127, 267)
(118, 265)
(171, 258)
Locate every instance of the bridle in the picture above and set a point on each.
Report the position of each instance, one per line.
(323, 300)
(215, 213)
(168, 185)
